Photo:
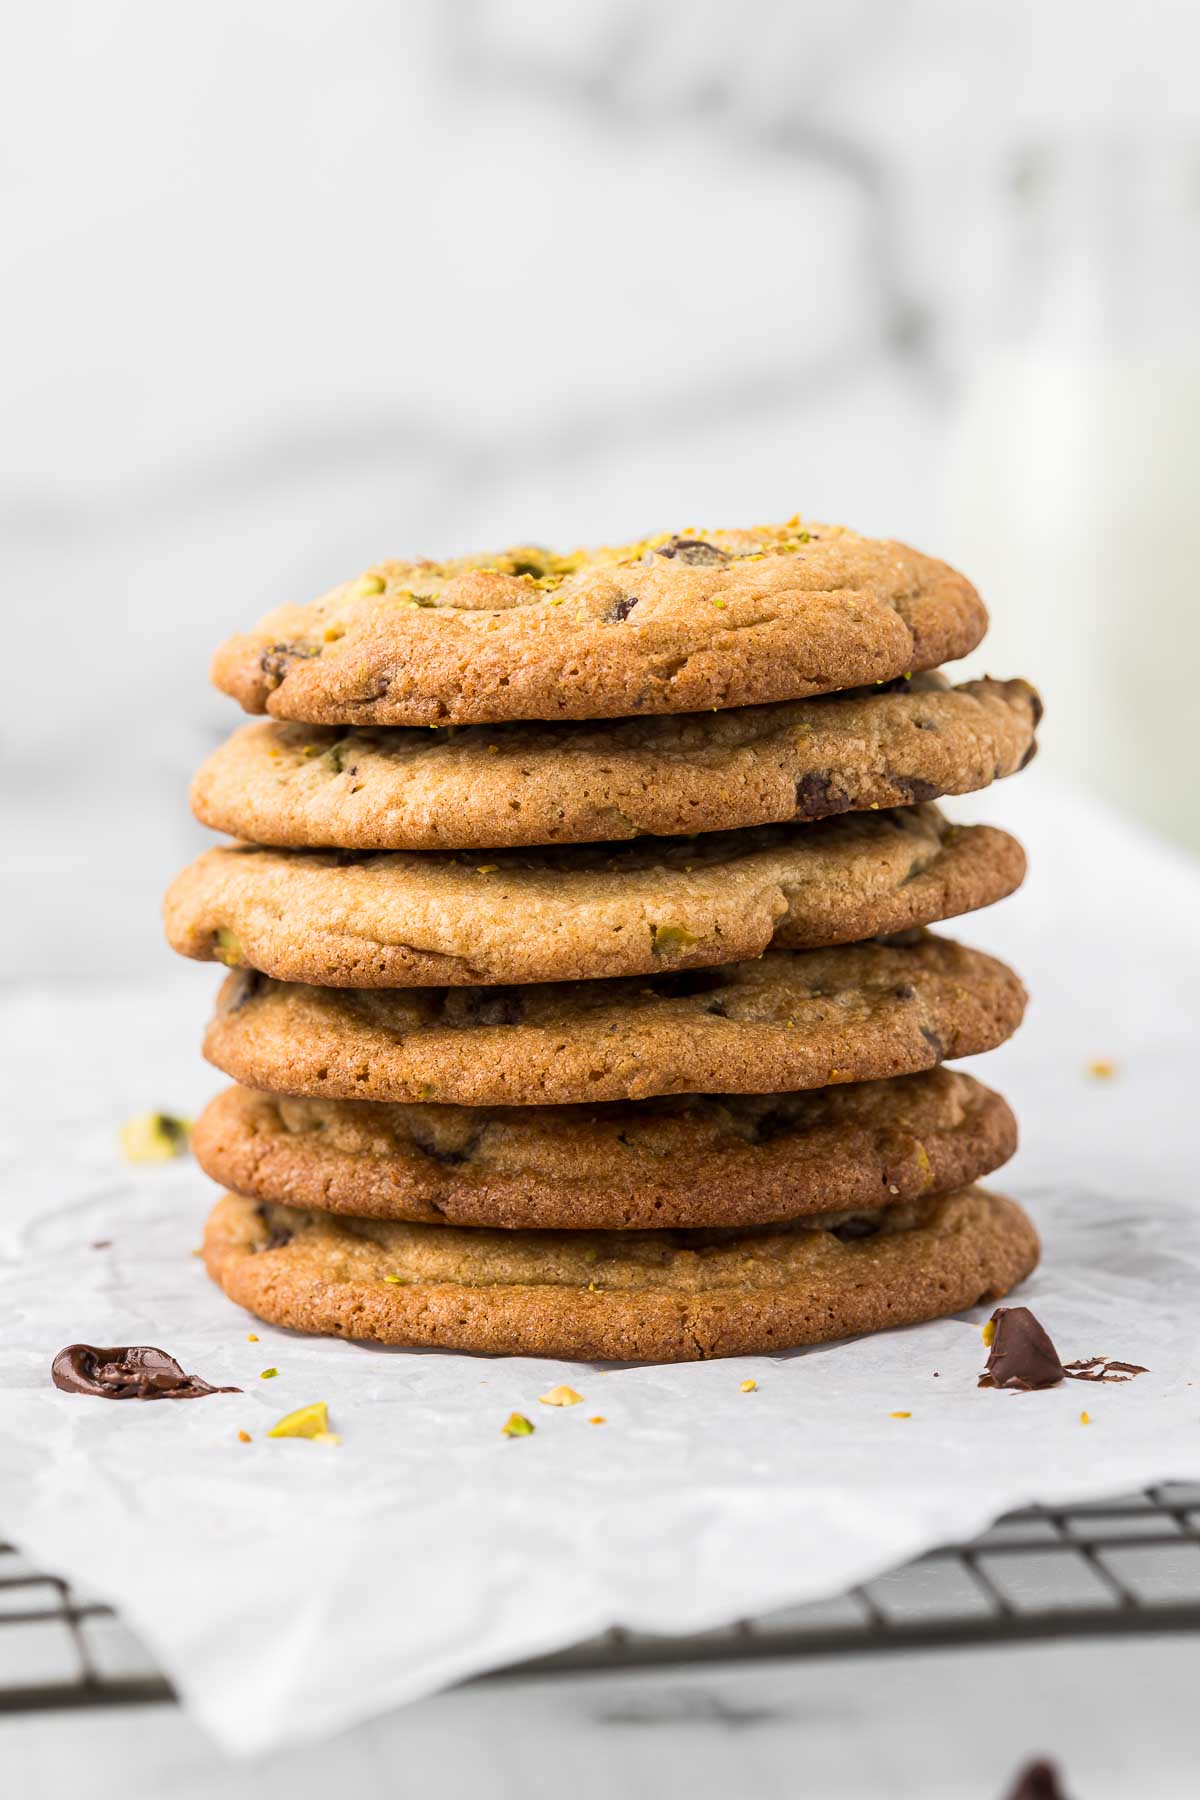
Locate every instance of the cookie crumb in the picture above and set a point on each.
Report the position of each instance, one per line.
(1085, 1418)
(900, 1415)
(517, 1425)
(244, 1437)
(1101, 1069)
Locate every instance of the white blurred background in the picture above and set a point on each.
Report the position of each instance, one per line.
(292, 285)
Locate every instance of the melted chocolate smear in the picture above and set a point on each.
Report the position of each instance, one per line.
(128, 1372)
(1022, 1356)
(1102, 1368)
(1039, 1781)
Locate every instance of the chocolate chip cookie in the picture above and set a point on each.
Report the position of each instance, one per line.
(790, 1019)
(695, 1160)
(662, 1296)
(674, 623)
(491, 786)
(582, 911)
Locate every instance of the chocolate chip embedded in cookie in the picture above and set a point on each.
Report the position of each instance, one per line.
(674, 623)
(462, 787)
(582, 911)
(689, 1161)
(661, 1296)
(787, 1020)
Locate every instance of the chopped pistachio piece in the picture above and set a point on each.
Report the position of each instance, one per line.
(267, 1374)
(669, 940)
(228, 947)
(749, 1386)
(560, 1396)
(306, 1422)
(989, 1334)
(154, 1137)
(368, 584)
(517, 1425)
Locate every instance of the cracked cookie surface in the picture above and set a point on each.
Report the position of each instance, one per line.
(659, 1296)
(787, 1020)
(583, 911)
(668, 624)
(463, 787)
(695, 1160)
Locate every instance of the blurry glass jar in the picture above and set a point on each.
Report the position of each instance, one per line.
(1075, 482)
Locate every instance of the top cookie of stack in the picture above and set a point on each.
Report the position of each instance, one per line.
(443, 798)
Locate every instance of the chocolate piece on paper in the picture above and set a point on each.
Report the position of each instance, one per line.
(1021, 1355)
(127, 1372)
(1038, 1781)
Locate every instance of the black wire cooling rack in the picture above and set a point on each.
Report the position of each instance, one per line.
(1106, 1568)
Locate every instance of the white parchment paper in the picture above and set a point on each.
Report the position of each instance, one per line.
(290, 1589)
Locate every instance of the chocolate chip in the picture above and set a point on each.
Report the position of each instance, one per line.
(934, 1041)
(276, 661)
(818, 798)
(916, 788)
(127, 1372)
(277, 1235)
(247, 985)
(852, 1229)
(1022, 1355)
(1038, 1781)
(693, 551)
(906, 991)
(620, 609)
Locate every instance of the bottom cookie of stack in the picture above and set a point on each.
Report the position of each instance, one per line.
(661, 1296)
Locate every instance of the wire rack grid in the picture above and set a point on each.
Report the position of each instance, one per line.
(1105, 1568)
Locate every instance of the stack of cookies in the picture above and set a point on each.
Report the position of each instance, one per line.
(581, 998)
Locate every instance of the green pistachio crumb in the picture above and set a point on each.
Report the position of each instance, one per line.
(517, 1425)
(228, 947)
(669, 940)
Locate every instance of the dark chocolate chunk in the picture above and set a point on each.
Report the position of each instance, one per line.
(276, 661)
(247, 984)
(693, 551)
(1038, 1781)
(916, 788)
(934, 1041)
(620, 609)
(127, 1372)
(818, 798)
(277, 1235)
(1022, 1355)
(851, 1229)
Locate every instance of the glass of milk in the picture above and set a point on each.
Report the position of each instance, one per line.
(1074, 489)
